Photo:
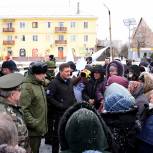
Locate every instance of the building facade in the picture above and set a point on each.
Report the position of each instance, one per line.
(38, 37)
(142, 39)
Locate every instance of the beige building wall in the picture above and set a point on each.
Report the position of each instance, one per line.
(18, 35)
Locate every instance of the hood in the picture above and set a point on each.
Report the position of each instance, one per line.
(75, 134)
(117, 102)
(119, 66)
(115, 88)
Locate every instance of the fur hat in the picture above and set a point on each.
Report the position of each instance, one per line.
(117, 102)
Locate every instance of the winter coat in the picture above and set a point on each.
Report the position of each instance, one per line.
(17, 116)
(81, 128)
(119, 66)
(123, 127)
(60, 94)
(92, 91)
(117, 88)
(34, 105)
(146, 133)
(141, 101)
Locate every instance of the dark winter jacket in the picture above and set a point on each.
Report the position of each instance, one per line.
(34, 105)
(60, 95)
(123, 127)
(81, 128)
(146, 134)
(140, 100)
(92, 91)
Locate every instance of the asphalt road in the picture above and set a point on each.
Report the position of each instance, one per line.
(45, 148)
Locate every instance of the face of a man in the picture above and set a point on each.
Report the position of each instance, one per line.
(107, 61)
(15, 96)
(6, 71)
(65, 74)
(40, 77)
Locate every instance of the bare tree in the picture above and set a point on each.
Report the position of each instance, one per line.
(124, 51)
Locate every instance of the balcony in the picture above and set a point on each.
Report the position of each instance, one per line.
(8, 42)
(58, 42)
(8, 29)
(61, 29)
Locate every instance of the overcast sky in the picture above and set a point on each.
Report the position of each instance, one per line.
(120, 9)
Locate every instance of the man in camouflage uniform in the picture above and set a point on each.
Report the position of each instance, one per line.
(9, 104)
(50, 75)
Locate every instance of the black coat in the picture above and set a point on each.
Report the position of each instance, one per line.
(60, 95)
(90, 91)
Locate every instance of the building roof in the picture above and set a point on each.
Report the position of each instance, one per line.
(49, 16)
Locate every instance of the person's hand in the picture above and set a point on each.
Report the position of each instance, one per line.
(91, 101)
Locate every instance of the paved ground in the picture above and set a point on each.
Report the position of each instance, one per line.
(45, 148)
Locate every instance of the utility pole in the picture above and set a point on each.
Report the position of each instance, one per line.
(129, 22)
(110, 31)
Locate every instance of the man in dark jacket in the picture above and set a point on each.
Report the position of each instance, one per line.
(60, 95)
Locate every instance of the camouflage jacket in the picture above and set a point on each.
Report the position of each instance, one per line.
(16, 114)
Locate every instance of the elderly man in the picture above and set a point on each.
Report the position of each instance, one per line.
(10, 92)
(34, 105)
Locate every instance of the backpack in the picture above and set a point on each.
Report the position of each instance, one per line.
(123, 127)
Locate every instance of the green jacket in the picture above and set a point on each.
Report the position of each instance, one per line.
(17, 116)
(34, 105)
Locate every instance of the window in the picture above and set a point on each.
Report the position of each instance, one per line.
(73, 38)
(49, 24)
(72, 25)
(61, 37)
(85, 38)
(23, 38)
(22, 24)
(61, 24)
(22, 52)
(9, 25)
(34, 24)
(35, 38)
(9, 37)
(9, 50)
(85, 25)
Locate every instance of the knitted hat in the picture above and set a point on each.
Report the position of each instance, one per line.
(117, 102)
(118, 79)
(81, 129)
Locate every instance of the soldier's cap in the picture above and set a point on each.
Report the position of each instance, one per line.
(11, 81)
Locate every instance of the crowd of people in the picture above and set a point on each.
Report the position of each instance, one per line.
(103, 109)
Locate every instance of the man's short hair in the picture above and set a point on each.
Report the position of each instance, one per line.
(63, 66)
